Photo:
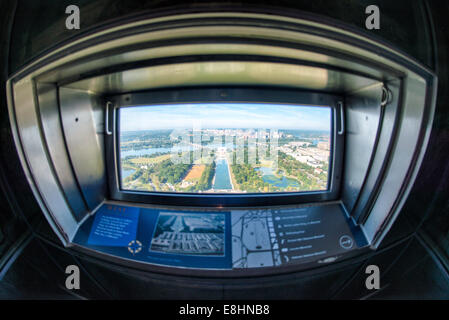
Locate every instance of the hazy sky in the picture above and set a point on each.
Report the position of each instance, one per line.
(225, 115)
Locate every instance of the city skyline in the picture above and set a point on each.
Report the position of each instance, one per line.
(224, 115)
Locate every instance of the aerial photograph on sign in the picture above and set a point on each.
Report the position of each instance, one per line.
(189, 233)
(225, 148)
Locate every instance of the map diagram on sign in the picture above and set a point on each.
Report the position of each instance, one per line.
(273, 237)
(254, 242)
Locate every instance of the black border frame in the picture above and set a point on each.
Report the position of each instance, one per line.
(225, 95)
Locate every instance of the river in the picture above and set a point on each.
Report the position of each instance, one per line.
(127, 172)
(148, 151)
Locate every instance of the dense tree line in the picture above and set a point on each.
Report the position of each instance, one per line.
(247, 178)
(205, 182)
(299, 170)
(142, 174)
(147, 139)
(147, 156)
(169, 172)
(148, 144)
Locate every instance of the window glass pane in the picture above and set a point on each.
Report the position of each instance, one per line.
(225, 148)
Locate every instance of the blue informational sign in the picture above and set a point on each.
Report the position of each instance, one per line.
(114, 226)
(164, 237)
(201, 239)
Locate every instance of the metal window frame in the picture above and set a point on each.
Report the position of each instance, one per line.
(318, 43)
